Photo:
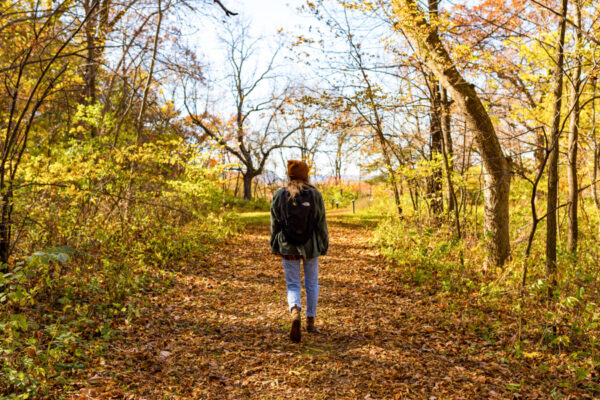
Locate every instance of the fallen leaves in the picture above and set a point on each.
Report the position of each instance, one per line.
(221, 333)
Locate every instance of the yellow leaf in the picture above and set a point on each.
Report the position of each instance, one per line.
(533, 354)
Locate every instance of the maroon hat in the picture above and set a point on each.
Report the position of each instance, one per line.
(297, 170)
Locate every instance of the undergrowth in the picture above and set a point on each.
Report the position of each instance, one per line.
(62, 306)
(88, 256)
(495, 304)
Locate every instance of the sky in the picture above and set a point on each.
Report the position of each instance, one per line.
(265, 18)
(271, 15)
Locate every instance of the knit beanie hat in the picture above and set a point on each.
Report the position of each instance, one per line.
(297, 170)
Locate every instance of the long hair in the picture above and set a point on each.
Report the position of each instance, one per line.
(295, 186)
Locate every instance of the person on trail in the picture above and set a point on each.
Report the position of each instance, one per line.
(299, 233)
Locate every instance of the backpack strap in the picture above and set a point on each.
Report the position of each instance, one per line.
(313, 220)
(283, 207)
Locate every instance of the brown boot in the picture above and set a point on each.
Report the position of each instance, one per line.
(295, 334)
(310, 324)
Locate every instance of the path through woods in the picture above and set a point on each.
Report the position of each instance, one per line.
(221, 333)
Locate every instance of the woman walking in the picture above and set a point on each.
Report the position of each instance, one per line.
(299, 233)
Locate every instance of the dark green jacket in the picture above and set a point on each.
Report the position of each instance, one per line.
(316, 246)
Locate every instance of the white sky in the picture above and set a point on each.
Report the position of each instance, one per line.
(271, 15)
(265, 19)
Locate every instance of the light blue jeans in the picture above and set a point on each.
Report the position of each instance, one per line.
(311, 284)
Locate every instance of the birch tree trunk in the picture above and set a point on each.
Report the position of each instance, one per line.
(497, 167)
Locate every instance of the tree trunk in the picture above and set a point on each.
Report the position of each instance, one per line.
(96, 30)
(595, 141)
(378, 128)
(248, 177)
(338, 160)
(140, 118)
(91, 65)
(5, 225)
(496, 165)
(434, 184)
(551, 225)
(390, 168)
(237, 181)
(573, 137)
(540, 152)
(448, 148)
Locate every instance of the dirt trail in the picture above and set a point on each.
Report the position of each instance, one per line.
(222, 334)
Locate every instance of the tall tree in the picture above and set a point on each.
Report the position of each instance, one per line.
(366, 101)
(434, 184)
(498, 169)
(574, 135)
(30, 73)
(103, 15)
(552, 200)
(309, 138)
(448, 147)
(251, 146)
(595, 149)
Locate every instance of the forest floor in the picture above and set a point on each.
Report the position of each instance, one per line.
(221, 332)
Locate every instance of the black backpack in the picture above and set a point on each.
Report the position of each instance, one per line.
(298, 216)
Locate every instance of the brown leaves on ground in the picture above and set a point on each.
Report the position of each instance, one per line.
(222, 333)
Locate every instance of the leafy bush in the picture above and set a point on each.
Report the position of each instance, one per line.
(341, 194)
(241, 204)
(113, 223)
(424, 254)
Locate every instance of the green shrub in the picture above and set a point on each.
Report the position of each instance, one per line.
(110, 233)
(241, 204)
(340, 194)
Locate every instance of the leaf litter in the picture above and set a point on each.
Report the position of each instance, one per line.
(221, 332)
